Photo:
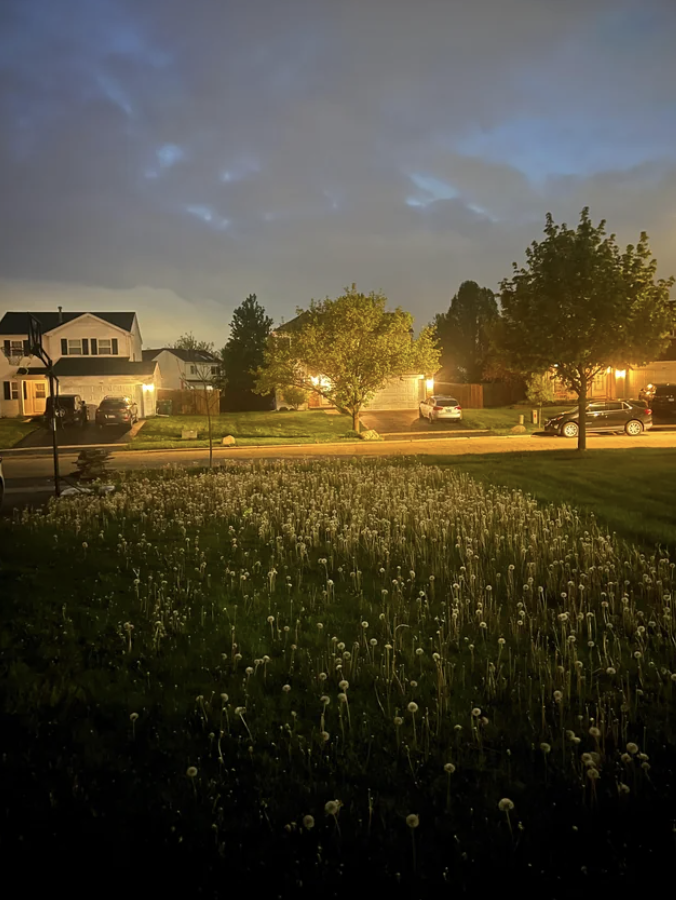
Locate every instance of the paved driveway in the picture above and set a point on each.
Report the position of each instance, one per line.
(72, 436)
(405, 421)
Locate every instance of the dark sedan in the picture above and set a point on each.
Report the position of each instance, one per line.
(633, 417)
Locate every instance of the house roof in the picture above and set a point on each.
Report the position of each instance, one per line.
(293, 324)
(193, 356)
(17, 322)
(68, 366)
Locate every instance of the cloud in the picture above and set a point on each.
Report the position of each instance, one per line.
(290, 149)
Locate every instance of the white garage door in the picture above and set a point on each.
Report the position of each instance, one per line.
(398, 395)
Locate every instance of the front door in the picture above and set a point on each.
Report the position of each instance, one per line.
(34, 398)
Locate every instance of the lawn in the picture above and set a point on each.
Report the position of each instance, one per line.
(13, 430)
(250, 429)
(632, 492)
(322, 678)
(502, 419)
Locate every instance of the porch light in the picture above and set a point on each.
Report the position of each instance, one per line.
(148, 388)
(620, 373)
(609, 370)
(429, 384)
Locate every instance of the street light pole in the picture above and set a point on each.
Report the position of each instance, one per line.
(55, 444)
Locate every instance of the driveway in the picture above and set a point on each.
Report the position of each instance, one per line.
(407, 421)
(73, 436)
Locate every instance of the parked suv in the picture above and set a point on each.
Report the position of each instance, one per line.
(116, 411)
(631, 416)
(437, 407)
(661, 398)
(70, 410)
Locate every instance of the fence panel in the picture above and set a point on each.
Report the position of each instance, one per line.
(191, 403)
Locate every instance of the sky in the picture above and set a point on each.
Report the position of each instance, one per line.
(174, 156)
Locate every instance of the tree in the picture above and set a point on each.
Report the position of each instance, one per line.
(244, 352)
(539, 390)
(463, 331)
(346, 350)
(188, 341)
(208, 381)
(581, 305)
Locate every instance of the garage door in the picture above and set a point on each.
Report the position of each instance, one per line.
(398, 395)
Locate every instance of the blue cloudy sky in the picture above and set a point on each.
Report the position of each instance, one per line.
(173, 156)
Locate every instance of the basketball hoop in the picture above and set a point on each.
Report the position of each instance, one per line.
(14, 359)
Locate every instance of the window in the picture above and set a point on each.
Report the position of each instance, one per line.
(193, 370)
(214, 370)
(74, 347)
(105, 346)
(615, 404)
(11, 390)
(16, 348)
(40, 390)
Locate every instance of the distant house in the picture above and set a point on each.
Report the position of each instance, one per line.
(184, 369)
(404, 392)
(626, 382)
(94, 354)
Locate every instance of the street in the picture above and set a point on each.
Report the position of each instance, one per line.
(29, 477)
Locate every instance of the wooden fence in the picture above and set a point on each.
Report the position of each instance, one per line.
(197, 402)
(471, 396)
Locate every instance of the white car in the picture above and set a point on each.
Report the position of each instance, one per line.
(2, 484)
(440, 409)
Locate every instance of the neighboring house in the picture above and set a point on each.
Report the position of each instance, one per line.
(404, 392)
(625, 383)
(184, 369)
(94, 354)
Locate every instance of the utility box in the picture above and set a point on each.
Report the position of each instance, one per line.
(521, 420)
(534, 416)
(188, 434)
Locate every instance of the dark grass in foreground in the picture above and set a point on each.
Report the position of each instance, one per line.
(166, 653)
(631, 491)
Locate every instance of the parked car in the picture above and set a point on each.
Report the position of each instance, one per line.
(661, 398)
(438, 408)
(631, 416)
(70, 410)
(116, 411)
(2, 483)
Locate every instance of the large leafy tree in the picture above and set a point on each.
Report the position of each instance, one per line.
(243, 354)
(464, 332)
(347, 349)
(580, 304)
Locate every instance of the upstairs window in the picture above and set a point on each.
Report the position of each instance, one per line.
(74, 347)
(105, 346)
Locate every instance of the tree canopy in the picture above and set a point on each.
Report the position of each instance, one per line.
(580, 304)
(346, 350)
(243, 353)
(464, 332)
(188, 341)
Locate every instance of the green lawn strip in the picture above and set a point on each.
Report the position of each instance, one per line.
(248, 429)
(633, 491)
(503, 419)
(14, 430)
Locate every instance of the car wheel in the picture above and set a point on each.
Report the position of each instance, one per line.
(633, 428)
(570, 430)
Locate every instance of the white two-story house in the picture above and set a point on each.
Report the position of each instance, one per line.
(94, 354)
(182, 370)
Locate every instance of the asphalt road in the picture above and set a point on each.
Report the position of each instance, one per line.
(29, 477)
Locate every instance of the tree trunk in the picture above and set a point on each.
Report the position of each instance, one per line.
(582, 413)
(356, 421)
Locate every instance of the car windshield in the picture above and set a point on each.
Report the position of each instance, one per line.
(115, 403)
(445, 401)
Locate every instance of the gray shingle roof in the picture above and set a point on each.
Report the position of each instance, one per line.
(98, 366)
(17, 322)
(193, 356)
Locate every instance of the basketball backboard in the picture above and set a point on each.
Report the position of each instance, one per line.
(34, 336)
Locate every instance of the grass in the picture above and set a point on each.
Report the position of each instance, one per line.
(631, 492)
(250, 429)
(14, 430)
(503, 419)
(267, 676)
